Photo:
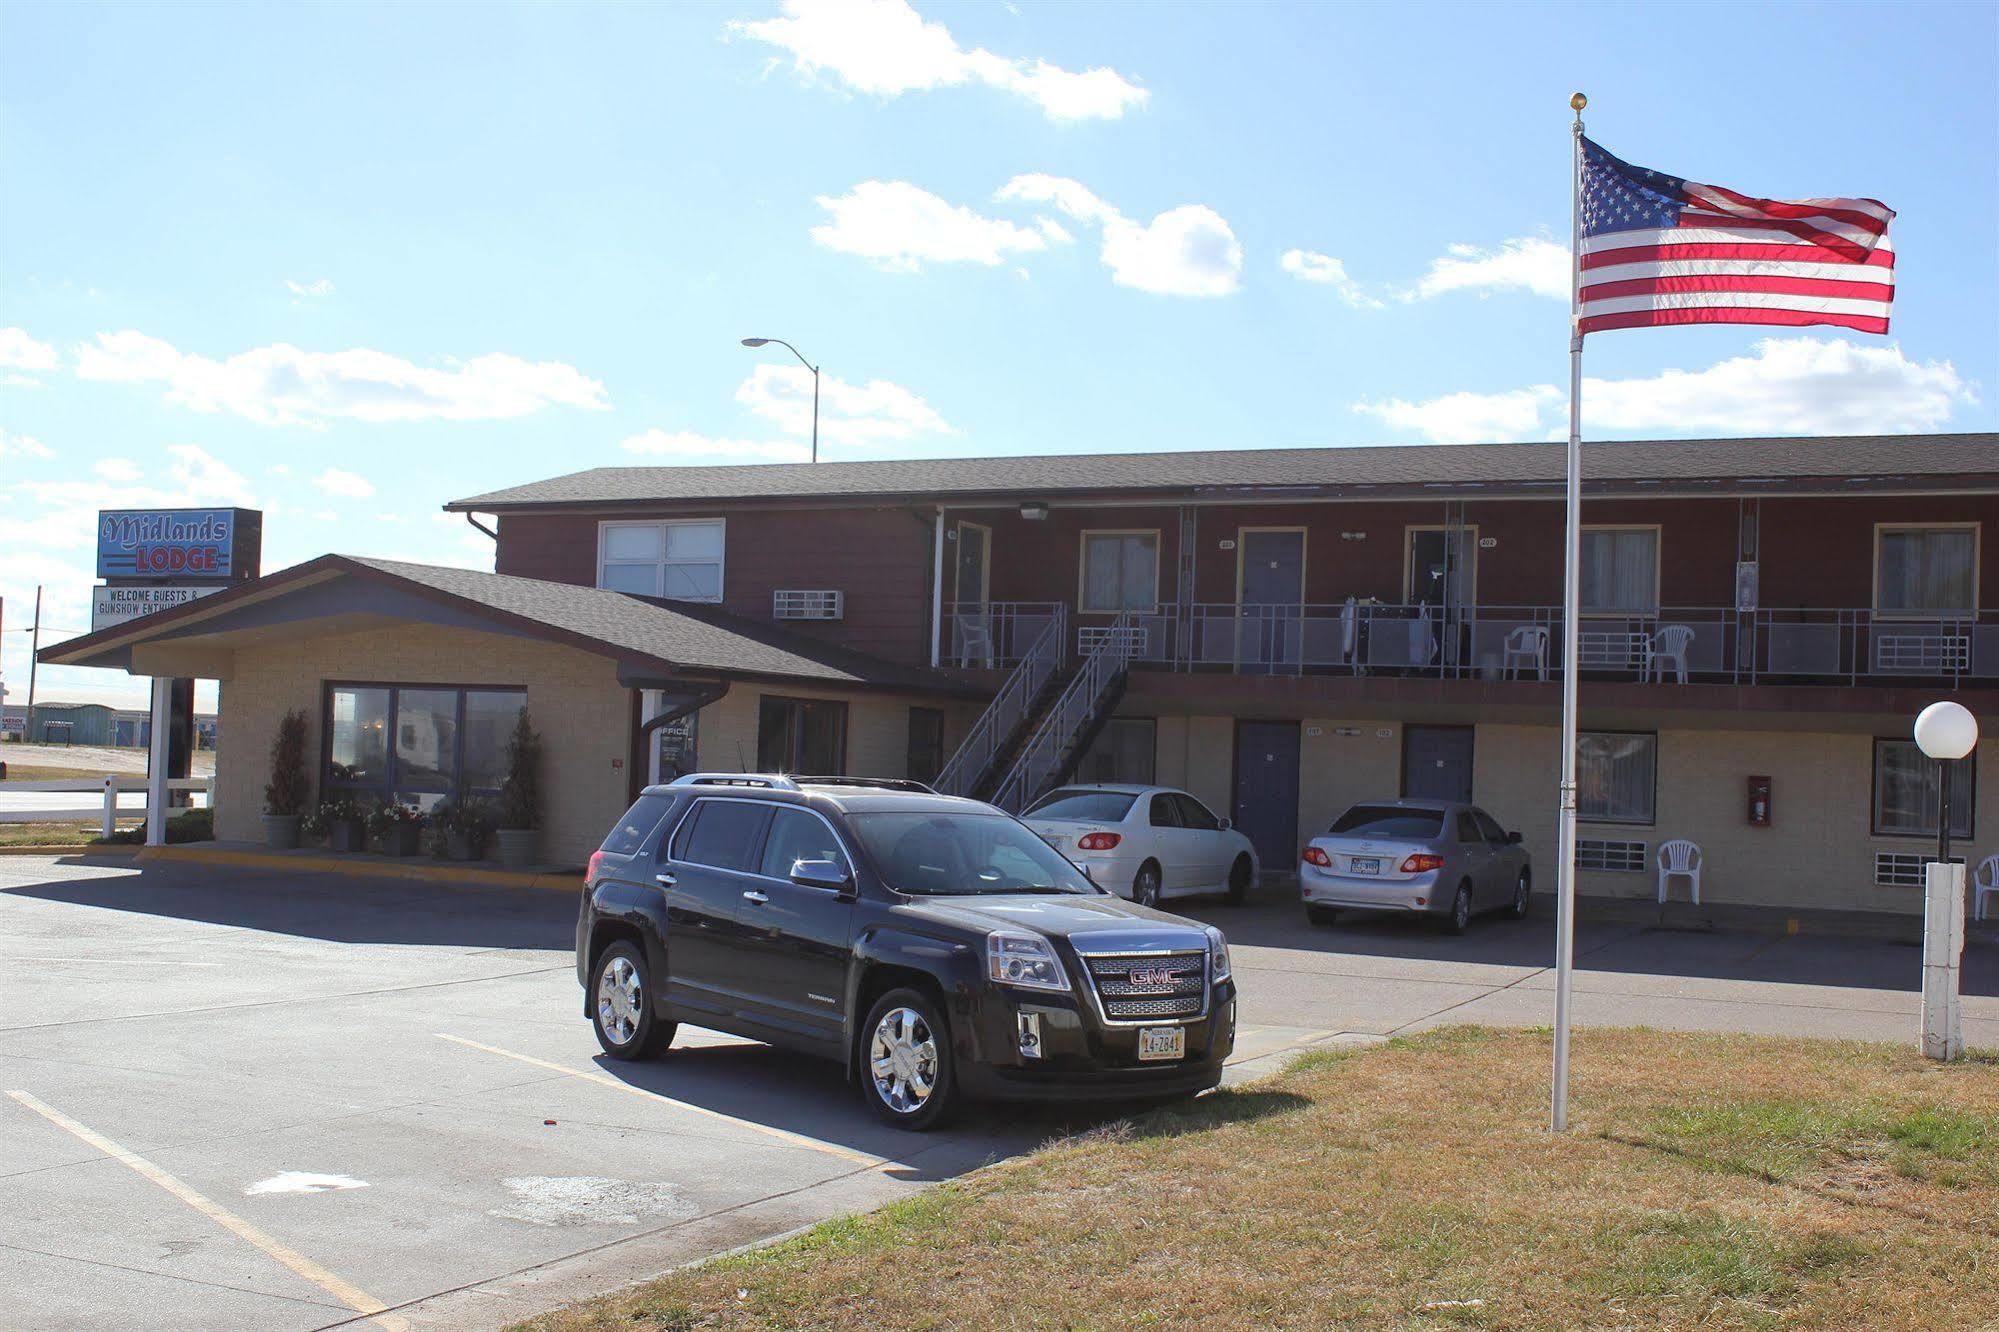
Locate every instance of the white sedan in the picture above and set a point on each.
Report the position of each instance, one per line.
(1145, 842)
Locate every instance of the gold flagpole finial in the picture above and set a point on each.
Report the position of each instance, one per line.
(1577, 102)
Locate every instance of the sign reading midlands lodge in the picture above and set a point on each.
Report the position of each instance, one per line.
(222, 545)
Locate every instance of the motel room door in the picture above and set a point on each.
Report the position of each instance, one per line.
(1272, 599)
(1266, 790)
(1436, 763)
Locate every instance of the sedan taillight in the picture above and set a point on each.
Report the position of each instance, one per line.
(1312, 855)
(1417, 864)
(1098, 841)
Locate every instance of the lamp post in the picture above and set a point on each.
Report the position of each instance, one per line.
(760, 342)
(1945, 732)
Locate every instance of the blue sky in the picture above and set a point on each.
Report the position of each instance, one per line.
(347, 262)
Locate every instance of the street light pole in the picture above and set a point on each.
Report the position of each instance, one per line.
(760, 342)
(1945, 732)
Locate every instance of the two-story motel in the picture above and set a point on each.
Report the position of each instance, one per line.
(1281, 632)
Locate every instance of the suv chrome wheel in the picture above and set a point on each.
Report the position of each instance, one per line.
(620, 999)
(902, 1060)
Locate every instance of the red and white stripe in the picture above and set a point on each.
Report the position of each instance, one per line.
(1735, 260)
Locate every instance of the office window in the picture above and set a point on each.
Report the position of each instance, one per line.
(1616, 776)
(1908, 791)
(925, 756)
(418, 743)
(681, 560)
(1120, 571)
(1123, 751)
(1926, 570)
(1620, 570)
(802, 735)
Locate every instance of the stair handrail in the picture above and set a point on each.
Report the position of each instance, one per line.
(975, 754)
(1072, 711)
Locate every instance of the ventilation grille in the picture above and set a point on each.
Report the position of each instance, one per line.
(1903, 869)
(795, 604)
(1596, 853)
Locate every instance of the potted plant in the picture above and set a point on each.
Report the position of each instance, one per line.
(284, 794)
(520, 798)
(342, 822)
(459, 828)
(396, 828)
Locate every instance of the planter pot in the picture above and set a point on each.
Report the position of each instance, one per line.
(347, 836)
(281, 832)
(461, 846)
(517, 847)
(403, 841)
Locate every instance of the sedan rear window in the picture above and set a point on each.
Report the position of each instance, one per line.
(637, 825)
(1390, 821)
(1080, 805)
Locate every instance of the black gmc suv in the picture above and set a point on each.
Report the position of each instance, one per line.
(934, 946)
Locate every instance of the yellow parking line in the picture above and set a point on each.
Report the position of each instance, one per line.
(360, 1301)
(782, 1135)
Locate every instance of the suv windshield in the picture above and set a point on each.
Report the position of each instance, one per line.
(1390, 821)
(963, 854)
(1081, 805)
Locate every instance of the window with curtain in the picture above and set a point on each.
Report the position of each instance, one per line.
(1120, 571)
(1926, 570)
(1620, 570)
(805, 735)
(681, 560)
(1616, 776)
(1908, 791)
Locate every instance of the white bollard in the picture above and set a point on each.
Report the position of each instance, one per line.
(1943, 950)
(110, 806)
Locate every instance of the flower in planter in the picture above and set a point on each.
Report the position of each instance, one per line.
(388, 818)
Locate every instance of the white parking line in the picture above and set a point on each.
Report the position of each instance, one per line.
(360, 1301)
(782, 1135)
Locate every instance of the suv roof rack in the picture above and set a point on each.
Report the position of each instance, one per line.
(765, 781)
(876, 783)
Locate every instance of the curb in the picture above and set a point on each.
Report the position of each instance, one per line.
(456, 875)
(75, 849)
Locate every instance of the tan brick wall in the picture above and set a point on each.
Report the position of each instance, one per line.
(583, 715)
(877, 729)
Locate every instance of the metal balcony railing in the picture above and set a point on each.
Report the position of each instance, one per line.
(1063, 725)
(1038, 662)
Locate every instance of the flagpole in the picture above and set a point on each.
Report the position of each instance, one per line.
(1565, 839)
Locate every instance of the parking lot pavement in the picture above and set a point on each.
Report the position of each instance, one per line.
(261, 1100)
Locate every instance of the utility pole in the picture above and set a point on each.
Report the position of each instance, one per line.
(28, 725)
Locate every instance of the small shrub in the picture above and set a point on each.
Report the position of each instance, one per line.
(520, 797)
(286, 792)
(191, 825)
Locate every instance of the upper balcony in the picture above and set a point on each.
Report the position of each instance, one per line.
(1673, 645)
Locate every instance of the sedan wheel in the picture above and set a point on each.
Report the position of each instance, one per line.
(1520, 891)
(1145, 888)
(907, 1053)
(1461, 910)
(621, 1009)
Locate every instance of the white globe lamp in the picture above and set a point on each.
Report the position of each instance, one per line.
(1946, 732)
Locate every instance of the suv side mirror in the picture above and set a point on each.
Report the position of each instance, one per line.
(1513, 839)
(826, 874)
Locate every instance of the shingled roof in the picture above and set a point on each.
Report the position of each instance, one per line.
(1924, 461)
(645, 633)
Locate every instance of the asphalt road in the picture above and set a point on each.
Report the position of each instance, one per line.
(252, 1100)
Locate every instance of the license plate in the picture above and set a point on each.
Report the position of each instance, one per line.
(1162, 1042)
(1365, 865)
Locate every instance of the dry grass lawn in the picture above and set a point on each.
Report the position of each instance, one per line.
(49, 834)
(1710, 1182)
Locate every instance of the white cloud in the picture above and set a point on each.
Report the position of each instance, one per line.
(1785, 386)
(316, 288)
(857, 415)
(1184, 251)
(119, 471)
(901, 227)
(886, 48)
(345, 485)
(18, 351)
(1469, 418)
(282, 385)
(67, 516)
(1311, 266)
(23, 446)
(1525, 263)
(686, 445)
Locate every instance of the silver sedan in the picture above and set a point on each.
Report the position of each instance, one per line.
(1436, 857)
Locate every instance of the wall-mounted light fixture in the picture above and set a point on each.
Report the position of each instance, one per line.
(1034, 511)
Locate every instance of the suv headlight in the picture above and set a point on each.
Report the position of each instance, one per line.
(1015, 957)
(1218, 955)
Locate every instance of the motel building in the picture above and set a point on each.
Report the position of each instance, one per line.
(1281, 632)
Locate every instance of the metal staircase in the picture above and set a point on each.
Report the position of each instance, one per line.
(1051, 749)
(988, 741)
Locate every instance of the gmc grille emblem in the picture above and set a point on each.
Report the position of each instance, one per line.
(1152, 978)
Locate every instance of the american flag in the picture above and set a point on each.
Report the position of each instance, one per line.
(1657, 250)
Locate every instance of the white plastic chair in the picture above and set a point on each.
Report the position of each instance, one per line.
(1669, 645)
(1527, 645)
(1349, 630)
(1422, 639)
(1984, 884)
(1683, 858)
